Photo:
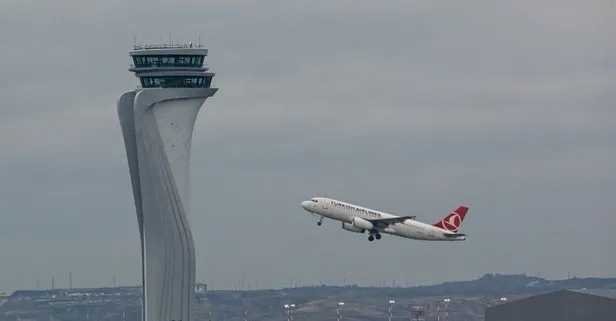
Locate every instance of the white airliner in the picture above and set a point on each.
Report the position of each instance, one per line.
(359, 219)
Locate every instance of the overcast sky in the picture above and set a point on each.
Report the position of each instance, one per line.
(410, 107)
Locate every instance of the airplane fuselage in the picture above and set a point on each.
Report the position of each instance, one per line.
(347, 213)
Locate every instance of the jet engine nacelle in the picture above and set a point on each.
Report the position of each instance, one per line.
(348, 227)
(362, 224)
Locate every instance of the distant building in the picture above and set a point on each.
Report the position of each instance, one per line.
(563, 305)
(200, 287)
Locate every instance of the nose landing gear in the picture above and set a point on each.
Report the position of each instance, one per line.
(320, 222)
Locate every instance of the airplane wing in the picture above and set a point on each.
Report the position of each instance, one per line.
(389, 221)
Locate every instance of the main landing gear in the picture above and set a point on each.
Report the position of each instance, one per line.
(372, 236)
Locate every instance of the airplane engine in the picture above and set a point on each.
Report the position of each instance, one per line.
(351, 228)
(362, 224)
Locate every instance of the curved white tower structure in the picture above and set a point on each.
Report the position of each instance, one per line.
(157, 123)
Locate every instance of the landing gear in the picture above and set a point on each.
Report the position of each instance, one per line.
(372, 236)
(320, 222)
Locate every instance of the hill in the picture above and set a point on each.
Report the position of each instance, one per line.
(466, 300)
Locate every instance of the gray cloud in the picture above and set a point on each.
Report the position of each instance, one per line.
(409, 108)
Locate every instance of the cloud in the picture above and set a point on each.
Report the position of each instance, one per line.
(405, 107)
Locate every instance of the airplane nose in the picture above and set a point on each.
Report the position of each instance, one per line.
(306, 204)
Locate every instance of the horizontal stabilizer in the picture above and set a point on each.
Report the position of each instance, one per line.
(453, 234)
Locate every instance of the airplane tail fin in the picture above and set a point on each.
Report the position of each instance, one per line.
(453, 220)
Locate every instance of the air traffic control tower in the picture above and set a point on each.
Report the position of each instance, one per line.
(157, 121)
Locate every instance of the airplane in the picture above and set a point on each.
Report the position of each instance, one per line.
(359, 219)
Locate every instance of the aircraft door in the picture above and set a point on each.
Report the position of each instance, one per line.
(324, 204)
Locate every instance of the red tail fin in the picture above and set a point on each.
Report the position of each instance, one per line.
(453, 220)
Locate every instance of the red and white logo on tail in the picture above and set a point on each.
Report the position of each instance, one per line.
(453, 220)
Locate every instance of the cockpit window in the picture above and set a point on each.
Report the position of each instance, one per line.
(314, 201)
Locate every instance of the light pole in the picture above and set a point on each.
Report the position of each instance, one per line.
(500, 300)
(339, 306)
(289, 308)
(391, 302)
(446, 310)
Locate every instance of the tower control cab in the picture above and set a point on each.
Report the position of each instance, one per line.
(171, 66)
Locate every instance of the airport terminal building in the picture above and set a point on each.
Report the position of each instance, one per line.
(563, 305)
